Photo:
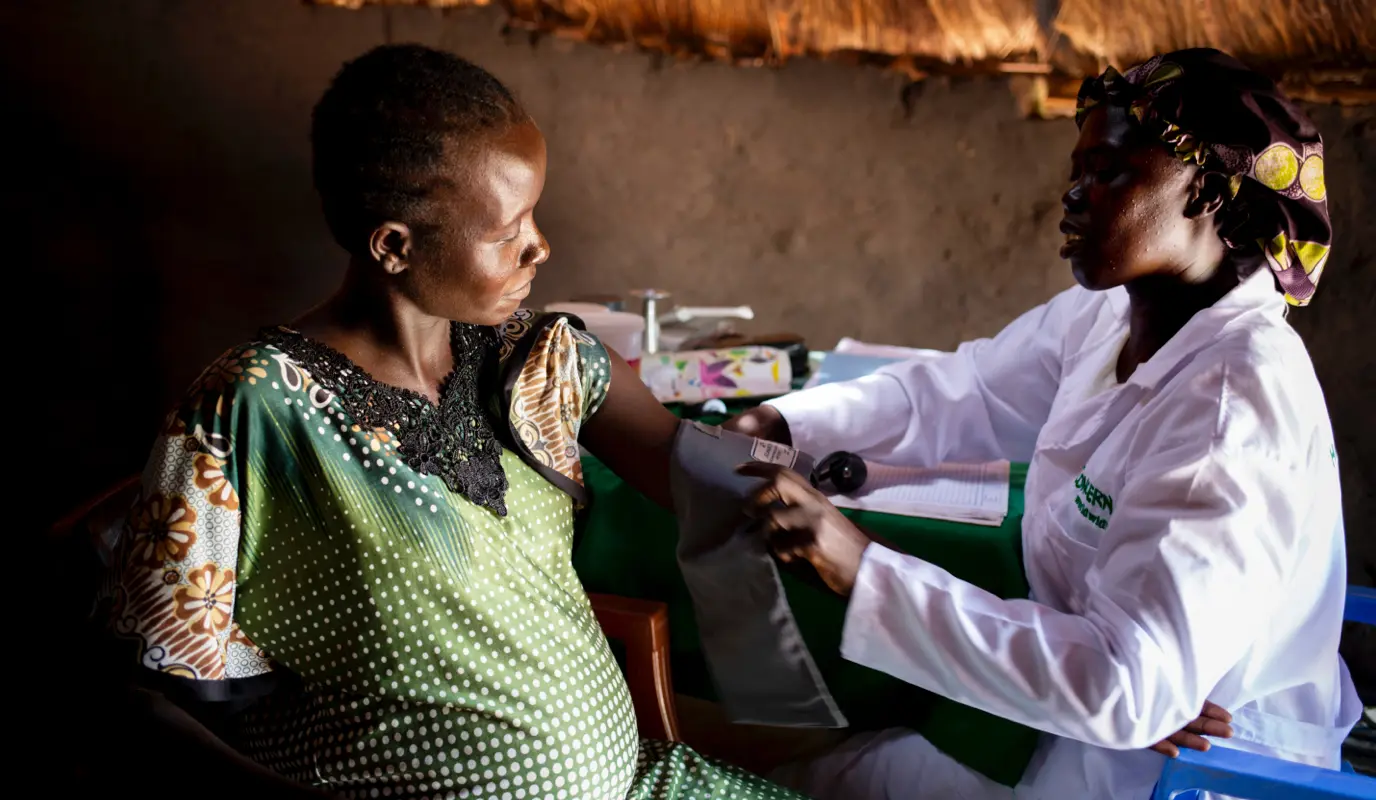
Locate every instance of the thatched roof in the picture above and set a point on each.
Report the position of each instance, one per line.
(1320, 49)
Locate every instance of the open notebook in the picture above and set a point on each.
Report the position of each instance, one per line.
(973, 493)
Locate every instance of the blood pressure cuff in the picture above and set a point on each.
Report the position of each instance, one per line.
(762, 669)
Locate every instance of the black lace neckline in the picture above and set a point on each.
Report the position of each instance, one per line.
(454, 440)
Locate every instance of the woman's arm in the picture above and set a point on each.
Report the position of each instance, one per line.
(988, 400)
(189, 753)
(633, 434)
(179, 553)
(1185, 577)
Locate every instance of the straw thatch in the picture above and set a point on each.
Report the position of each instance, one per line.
(1321, 49)
(1264, 32)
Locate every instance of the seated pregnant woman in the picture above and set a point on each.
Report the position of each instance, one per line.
(355, 532)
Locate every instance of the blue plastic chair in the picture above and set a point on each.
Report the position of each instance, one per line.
(1248, 775)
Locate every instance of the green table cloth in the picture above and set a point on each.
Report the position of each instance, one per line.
(626, 546)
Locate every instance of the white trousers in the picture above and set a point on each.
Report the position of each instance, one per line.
(894, 764)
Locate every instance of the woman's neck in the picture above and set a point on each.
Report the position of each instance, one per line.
(384, 333)
(1160, 306)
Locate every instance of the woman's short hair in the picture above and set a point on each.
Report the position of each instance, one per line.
(378, 133)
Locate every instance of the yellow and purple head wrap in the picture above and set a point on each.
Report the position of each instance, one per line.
(1217, 113)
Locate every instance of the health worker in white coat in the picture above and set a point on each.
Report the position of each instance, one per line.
(1183, 535)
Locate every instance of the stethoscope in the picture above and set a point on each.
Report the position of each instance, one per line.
(841, 473)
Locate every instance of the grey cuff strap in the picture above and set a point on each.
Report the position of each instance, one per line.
(761, 666)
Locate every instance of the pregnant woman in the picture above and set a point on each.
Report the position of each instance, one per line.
(349, 573)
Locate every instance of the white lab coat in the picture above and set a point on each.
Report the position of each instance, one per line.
(1182, 536)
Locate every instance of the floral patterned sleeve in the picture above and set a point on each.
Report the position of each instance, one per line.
(175, 571)
(556, 376)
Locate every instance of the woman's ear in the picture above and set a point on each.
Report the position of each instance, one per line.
(390, 245)
(1209, 192)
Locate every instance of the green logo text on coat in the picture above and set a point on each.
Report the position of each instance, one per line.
(1094, 505)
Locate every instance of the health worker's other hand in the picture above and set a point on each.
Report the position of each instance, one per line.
(1212, 721)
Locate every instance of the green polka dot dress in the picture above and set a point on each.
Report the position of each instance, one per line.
(401, 639)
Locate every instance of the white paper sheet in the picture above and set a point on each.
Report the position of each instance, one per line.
(853, 347)
(974, 493)
(854, 359)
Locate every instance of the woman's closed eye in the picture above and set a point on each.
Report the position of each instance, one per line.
(1104, 168)
(1102, 164)
(1105, 175)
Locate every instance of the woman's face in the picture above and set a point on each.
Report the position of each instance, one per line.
(476, 260)
(1127, 213)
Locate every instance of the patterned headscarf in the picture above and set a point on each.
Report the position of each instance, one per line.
(1219, 114)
